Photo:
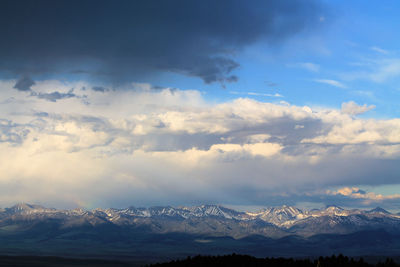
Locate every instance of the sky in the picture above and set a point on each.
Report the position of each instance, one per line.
(244, 104)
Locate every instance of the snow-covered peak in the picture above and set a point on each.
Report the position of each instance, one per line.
(284, 216)
(279, 215)
(25, 208)
(181, 212)
(77, 211)
(333, 210)
(213, 210)
(162, 211)
(379, 210)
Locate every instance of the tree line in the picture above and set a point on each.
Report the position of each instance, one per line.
(250, 261)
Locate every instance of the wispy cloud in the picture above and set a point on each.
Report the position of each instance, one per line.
(375, 70)
(306, 65)
(331, 82)
(365, 94)
(379, 50)
(256, 94)
(385, 70)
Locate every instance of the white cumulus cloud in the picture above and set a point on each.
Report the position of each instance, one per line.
(143, 146)
(353, 108)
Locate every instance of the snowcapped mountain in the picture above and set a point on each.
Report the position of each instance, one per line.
(23, 208)
(213, 220)
(213, 210)
(279, 215)
(180, 212)
(379, 210)
(133, 232)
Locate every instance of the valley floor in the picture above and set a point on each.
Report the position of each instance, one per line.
(198, 261)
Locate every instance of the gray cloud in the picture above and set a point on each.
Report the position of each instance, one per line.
(54, 96)
(24, 83)
(138, 39)
(12, 133)
(99, 89)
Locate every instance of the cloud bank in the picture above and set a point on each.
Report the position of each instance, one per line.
(149, 146)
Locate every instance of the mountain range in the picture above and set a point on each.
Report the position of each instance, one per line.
(167, 231)
(213, 220)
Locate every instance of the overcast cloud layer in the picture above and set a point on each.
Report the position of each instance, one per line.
(124, 40)
(68, 144)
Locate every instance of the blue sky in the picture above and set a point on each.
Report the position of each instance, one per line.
(350, 54)
(184, 103)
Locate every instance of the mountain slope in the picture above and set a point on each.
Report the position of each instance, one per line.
(145, 232)
(211, 220)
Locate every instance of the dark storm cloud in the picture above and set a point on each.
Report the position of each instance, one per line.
(128, 39)
(24, 83)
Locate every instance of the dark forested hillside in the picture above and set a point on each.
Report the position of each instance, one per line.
(249, 261)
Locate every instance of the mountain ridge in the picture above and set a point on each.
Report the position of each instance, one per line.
(215, 219)
(145, 232)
